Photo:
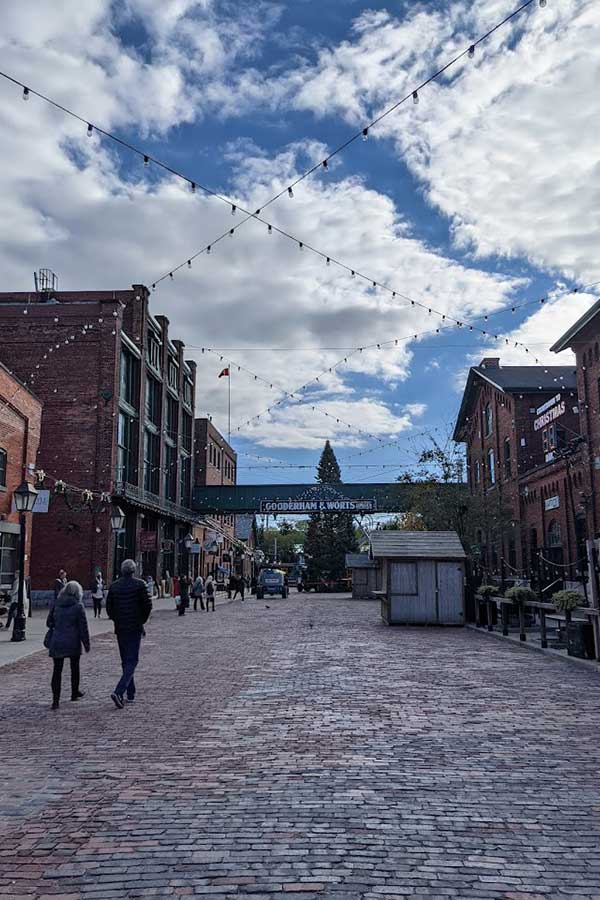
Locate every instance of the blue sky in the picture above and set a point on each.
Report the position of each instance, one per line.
(483, 196)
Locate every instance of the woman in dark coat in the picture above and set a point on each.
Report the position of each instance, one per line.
(67, 632)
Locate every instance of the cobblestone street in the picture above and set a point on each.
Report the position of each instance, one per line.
(300, 747)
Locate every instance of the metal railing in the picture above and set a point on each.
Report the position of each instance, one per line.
(152, 501)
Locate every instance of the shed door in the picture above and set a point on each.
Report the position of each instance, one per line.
(412, 592)
(450, 593)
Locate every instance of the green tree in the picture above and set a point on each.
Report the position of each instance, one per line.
(329, 536)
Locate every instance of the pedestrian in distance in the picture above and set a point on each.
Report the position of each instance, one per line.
(198, 593)
(14, 601)
(67, 633)
(98, 588)
(185, 584)
(151, 586)
(210, 593)
(60, 582)
(129, 606)
(238, 586)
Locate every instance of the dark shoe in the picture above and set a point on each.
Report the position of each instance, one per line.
(78, 695)
(54, 705)
(117, 700)
(131, 700)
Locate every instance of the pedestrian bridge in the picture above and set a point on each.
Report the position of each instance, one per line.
(301, 499)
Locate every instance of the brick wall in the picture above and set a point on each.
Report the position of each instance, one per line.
(20, 421)
(77, 382)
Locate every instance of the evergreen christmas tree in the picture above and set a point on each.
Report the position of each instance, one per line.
(329, 535)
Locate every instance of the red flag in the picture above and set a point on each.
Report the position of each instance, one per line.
(224, 372)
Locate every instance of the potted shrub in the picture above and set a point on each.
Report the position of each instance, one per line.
(579, 634)
(485, 592)
(567, 601)
(519, 595)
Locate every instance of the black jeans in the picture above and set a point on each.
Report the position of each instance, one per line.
(57, 677)
(196, 598)
(210, 598)
(129, 648)
(97, 606)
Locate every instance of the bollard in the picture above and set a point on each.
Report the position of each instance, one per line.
(505, 620)
(543, 634)
(522, 635)
(490, 615)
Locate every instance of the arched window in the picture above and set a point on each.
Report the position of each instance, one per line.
(2, 467)
(487, 419)
(554, 539)
(491, 466)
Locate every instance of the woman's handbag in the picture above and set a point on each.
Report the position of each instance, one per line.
(48, 638)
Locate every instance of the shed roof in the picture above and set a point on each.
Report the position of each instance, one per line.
(359, 561)
(417, 544)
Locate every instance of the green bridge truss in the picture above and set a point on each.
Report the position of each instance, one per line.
(288, 499)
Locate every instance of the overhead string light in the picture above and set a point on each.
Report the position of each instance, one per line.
(318, 166)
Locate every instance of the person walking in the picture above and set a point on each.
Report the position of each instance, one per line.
(59, 582)
(184, 594)
(210, 593)
(128, 604)
(198, 593)
(238, 586)
(14, 601)
(98, 593)
(67, 633)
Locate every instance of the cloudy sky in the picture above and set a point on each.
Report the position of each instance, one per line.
(483, 196)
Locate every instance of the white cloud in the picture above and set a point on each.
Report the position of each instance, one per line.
(506, 145)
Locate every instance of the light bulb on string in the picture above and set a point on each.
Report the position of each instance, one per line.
(25, 93)
(208, 249)
(269, 229)
(90, 130)
(233, 209)
(231, 232)
(290, 192)
(542, 3)
(325, 164)
(365, 134)
(189, 264)
(328, 262)
(146, 162)
(193, 186)
(415, 97)
(471, 51)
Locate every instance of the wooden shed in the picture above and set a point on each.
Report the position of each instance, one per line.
(365, 575)
(422, 576)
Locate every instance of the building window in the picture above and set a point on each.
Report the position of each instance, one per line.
(154, 351)
(172, 418)
(153, 398)
(491, 466)
(173, 374)
(126, 449)
(151, 461)
(187, 392)
(186, 432)
(129, 378)
(507, 460)
(554, 534)
(2, 467)
(552, 438)
(185, 479)
(487, 420)
(171, 473)
(9, 543)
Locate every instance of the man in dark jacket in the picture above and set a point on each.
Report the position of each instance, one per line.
(128, 605)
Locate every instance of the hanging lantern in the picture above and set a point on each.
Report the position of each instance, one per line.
(60, 486)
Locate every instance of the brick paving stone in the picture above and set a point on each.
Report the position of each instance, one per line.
(267, 758)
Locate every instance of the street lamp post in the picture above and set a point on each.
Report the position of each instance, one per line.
(187, 542)
(24, 496)
(117, 522)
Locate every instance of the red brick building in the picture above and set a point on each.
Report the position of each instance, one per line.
(215, 462)
(118, 412)
(516, 422)
(20, 421)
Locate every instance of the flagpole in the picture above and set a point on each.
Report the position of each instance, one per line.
(229, 409)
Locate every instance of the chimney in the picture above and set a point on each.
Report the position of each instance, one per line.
(490, 362)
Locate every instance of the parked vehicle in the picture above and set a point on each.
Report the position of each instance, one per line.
(271, 582)
(326, 585)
